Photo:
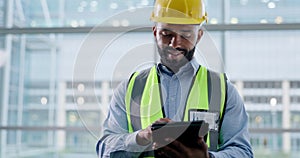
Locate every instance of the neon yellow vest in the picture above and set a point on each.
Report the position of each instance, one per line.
(143, 98)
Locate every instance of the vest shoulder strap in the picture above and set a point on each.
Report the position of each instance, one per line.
(136, 85)
(217, 102)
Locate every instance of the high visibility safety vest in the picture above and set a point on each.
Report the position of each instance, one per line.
(143, 99)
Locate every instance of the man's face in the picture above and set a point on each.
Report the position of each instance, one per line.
(176, 43)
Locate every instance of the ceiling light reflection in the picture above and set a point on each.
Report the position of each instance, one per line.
(263, 21)
(125, 22)
(72, 118)
(44, 100)
(80, 87)
(80, 100)
(74, 23)
(115, 23)
(273, 102)
(278, 20)
(258, 119)
(145, 2)
(265, 1)
(113, 5)
(214, 21)
(94, 4)
(271, 5)
(234, 20)
(131, 8)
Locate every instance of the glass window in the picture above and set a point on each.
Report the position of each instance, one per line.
(59, 85)
(264, 11)
(295, 84)
(250, 49)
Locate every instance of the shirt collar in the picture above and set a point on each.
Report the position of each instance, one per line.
(192, 64)
(195, 65)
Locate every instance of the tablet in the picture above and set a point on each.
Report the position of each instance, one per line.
(185, 132)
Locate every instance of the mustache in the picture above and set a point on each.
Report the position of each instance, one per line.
(185, 51)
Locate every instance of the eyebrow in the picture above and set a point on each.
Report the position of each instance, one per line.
(185, 31)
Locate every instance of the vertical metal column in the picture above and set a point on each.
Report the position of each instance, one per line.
(224, 35)
(8, 44)
(60, 142)
(52, 88)
(60, 136)
(21, 90)
(286, 124)
(274, 126)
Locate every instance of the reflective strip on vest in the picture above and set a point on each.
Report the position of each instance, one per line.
(143, 99)
(197, 99)
(151, 103)
(128, 101)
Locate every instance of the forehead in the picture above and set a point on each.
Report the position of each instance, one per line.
(177, 27)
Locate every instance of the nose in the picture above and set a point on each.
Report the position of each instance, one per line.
(175, 41)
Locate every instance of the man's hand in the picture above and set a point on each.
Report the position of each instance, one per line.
(144, 137)
(178, 150)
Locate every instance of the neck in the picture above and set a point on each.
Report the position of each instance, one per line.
(174, 68)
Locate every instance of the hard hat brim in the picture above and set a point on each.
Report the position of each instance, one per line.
(173, 20)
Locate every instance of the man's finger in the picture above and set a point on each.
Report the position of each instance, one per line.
(163, 120)
(177, 144)
(202, 143)
(170, 152)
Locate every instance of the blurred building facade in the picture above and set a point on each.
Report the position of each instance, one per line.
(63, 58)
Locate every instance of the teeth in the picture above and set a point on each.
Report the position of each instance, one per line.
(175, 53)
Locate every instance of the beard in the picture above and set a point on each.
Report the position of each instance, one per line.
(173, 64)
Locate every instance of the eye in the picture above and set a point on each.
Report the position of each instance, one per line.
(166, 33)
(186, 35)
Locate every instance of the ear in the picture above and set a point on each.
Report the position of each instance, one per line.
(200, 34)
(154, 29)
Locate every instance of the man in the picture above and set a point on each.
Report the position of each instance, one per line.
(173, 90)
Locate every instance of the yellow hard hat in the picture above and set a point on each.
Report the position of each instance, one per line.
(179, 11)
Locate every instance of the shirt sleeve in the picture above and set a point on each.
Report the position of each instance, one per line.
(234, 135)
(116, 138)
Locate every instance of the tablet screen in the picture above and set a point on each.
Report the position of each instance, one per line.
(185, 132)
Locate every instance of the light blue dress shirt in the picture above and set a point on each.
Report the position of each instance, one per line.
(175, 87)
